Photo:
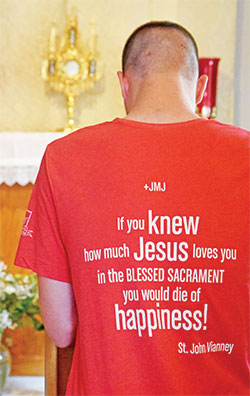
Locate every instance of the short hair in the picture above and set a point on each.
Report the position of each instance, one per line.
(161, 43)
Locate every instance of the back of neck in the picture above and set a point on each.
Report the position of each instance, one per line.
(162, 101)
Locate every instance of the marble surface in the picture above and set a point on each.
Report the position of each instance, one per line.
(24, 386)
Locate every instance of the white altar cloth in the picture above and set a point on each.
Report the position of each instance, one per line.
(21, 154)
(24, 386)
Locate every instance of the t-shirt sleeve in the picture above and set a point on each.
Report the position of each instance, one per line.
(41, 247)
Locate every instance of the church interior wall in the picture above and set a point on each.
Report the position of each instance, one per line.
(27, 104)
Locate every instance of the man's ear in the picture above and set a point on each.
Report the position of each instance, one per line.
(124, 85)
(200, 88)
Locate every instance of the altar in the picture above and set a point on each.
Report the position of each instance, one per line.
(20, 157)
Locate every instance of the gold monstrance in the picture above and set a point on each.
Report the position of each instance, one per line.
(70, 68)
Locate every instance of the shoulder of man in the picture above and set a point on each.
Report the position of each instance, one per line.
(84, 141)
(230, 130)
(82, 134)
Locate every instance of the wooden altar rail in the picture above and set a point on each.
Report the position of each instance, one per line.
(57, 367)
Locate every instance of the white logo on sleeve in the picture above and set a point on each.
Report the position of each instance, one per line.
(26, 231)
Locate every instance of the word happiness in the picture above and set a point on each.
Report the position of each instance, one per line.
(159, 318)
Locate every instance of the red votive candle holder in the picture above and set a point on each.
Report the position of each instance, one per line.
(207, 107)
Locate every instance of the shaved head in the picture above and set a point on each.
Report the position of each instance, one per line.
(161, 47)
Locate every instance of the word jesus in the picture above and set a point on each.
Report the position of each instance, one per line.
(161, 251)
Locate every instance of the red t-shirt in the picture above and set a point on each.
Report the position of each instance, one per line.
(150, 224)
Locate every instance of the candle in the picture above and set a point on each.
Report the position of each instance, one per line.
(52, 44)
(92, 39)
(207, 106)
(71, 7)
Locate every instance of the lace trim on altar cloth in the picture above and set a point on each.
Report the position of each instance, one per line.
(20, 175)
